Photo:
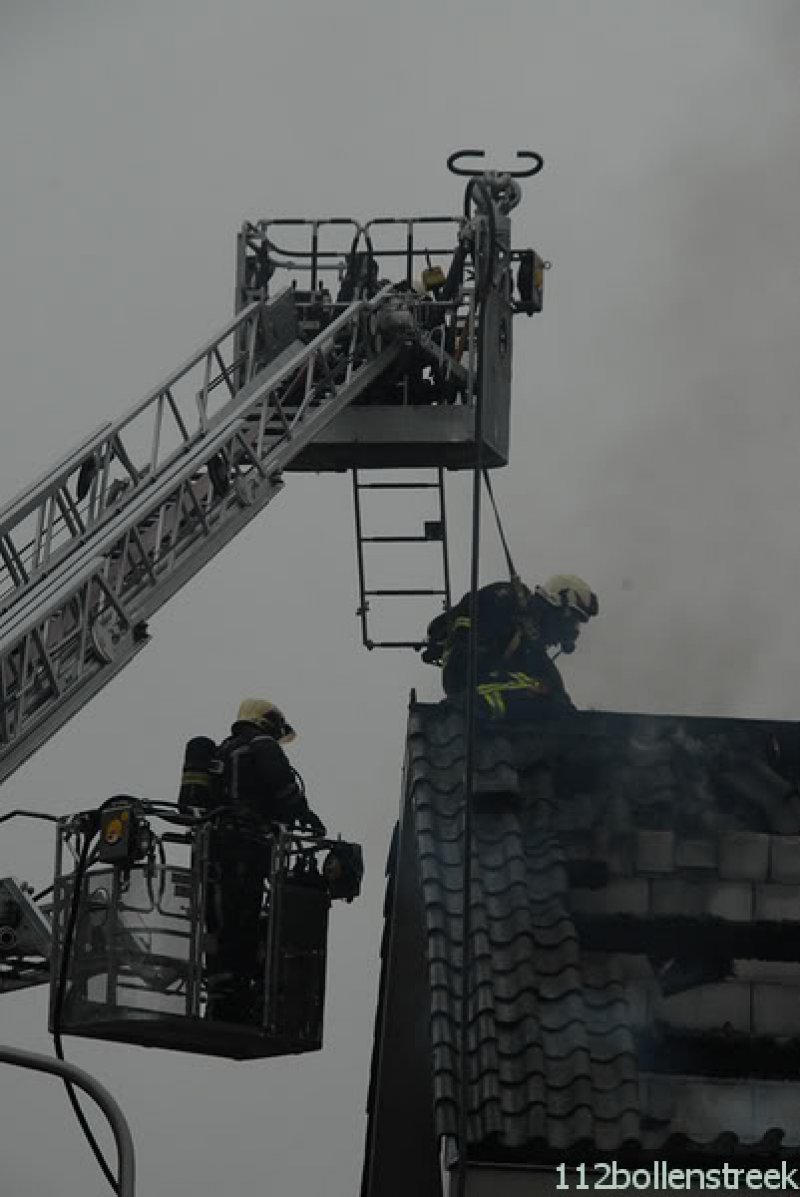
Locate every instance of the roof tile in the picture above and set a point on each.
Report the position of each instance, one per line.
(551, 1053)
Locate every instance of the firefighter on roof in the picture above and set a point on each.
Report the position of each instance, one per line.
(516, 626)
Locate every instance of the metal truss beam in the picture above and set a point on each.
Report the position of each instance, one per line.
(78, 594)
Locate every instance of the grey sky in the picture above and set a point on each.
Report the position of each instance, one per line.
(654, 441)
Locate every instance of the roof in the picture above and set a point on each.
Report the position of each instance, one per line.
(560, 1022)
(552, 1059)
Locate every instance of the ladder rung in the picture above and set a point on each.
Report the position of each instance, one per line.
(397, 485)
(396, 540)
(377, 593)
(396, 643)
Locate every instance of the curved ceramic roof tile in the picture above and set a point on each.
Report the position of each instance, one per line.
(548, 1057)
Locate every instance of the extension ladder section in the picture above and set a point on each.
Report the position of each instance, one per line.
(96, 546)
(434, 532)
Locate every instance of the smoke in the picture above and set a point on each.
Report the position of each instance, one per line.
(674, 472)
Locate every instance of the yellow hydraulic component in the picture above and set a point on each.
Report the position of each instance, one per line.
(433, 277)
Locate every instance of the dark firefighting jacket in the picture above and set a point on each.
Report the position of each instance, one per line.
(513, 664)
(257, 778)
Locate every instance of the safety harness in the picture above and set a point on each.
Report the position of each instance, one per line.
(493, 693)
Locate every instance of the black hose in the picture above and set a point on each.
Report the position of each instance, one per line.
(66, 952)
(484, 271)
(469, 786)
(181, 820)
(28, 814)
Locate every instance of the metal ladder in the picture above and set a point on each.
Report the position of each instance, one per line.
(103, 540)
(433, 532)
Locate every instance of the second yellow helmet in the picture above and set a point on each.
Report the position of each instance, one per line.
(266, 715)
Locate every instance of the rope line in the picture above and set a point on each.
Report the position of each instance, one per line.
(469, 758)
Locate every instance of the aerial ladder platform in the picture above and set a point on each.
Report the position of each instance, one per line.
(370, 348)
(382, 373)
(367, 348)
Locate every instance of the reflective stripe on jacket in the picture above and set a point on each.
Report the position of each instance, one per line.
(493, 692)
(258, 777)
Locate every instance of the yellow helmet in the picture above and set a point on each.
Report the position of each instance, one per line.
(570, 591)
(267, 716)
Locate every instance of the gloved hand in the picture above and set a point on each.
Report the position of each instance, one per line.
(431, 652)
(313, 824)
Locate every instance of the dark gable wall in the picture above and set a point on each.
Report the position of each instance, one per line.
(402, 1157)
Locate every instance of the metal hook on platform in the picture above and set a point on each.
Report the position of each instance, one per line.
(538, 163)
(451, 162)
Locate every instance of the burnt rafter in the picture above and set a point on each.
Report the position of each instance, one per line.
(722, 1053)
(685, 936)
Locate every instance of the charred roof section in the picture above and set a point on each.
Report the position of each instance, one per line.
(635, 940)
